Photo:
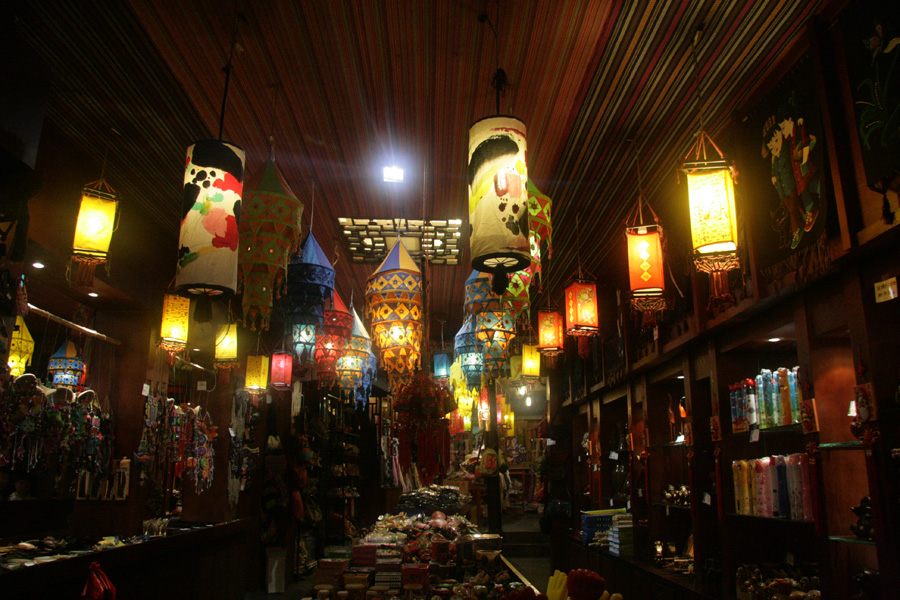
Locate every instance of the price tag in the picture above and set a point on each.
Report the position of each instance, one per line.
(201, 386)
(145, 391)
(707, 499)
(614, 455)
(628, 505)
(754, 435)
(886, 290)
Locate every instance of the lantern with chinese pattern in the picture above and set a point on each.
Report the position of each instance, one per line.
(66, 367)
(713, 216)
(550, 334)
(21, 348)
(94, 229)
(257, 376)
(581, 308)
(331, 340)
(310, 282)
(269, 232)
(175, 320)
(208, 242)
(498, 199)
(282, 364)
(394, 303)
(645, 270)
(226, 350)
(353, 362)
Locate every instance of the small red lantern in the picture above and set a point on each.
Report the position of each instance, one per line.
(645, 270)
(550, 334)
(282, 364)
(581, 308)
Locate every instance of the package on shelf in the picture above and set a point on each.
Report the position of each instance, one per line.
(364, 555)
(771, 399)
(415, 573)
(359, 576)
(594, 521)
(330, 570)
(773, 486)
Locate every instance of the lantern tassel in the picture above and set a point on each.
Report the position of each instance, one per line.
(719, 294)
(584, 350)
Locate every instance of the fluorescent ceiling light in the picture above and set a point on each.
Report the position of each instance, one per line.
(393, 174)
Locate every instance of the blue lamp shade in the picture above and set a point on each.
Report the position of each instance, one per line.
(66, 367)
(442, 365)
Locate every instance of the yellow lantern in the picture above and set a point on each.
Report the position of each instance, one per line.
(257, 376)
(226, 347)
(175, 320)
(94, 229)
(531, 362)
(713, 217)
(21, 348)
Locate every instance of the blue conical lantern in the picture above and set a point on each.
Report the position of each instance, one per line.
(310, 283)
(66, 367)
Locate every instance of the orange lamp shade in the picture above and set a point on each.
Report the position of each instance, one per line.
(282, 364)
(531, 361)
(713, 218)
(257, 377)
(645, 261)
(226, 343)
(550, 332)
(175, 319)
(96, 221)
(581, 308)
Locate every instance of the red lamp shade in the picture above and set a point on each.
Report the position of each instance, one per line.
(282, 364)
(550, 333)
(645, 261)
(581, 308)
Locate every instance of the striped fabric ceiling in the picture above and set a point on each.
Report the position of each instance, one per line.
(345, 87)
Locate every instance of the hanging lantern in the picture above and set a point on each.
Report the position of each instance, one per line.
(282, 364)
(581, 308)
(352, 363)
(531, 362)
(269, 232)
(441, 365)
(332, 339)
(21, 348)
(550, 333)
(468, 352)
(394, 304)
(66, 367)
(257, 376)
(226, 357)
(93, 230)
(175, 320)
(498, 199)
(495, 329)
(645, 270)
(208, 242)
(310, 283)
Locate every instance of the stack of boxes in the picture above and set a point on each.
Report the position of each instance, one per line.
(597, 521)
(330, 570)
(621, 536)
(388, 563)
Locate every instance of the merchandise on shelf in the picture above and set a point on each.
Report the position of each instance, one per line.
(772, 399)
(767, 581)
(444, 498)
(773, 486)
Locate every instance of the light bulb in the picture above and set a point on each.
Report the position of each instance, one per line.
(528, 401)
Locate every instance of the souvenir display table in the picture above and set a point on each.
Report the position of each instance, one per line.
(162, 566)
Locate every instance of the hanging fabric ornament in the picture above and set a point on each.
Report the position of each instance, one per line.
(353, 362)
(468, 352)
(498, 201)
(269, 232)
(208, 242)
(310, 283)
(66, 367)
(394, 305)
(517, 297)
(21, 348)
(331, 340)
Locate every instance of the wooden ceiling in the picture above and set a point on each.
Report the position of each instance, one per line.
(345, 87)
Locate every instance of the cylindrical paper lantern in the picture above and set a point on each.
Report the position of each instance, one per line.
(282, 365)
(498, 199)
(531, 362)
(208, 242)
(257, 376)
(93, 229)
(175, 322)
(550, 333)
(226, 346)
(582, 318)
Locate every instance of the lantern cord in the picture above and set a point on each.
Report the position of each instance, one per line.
(106, 153)
(578, 240)
(228, 67)
(697, 35)
(275, 87)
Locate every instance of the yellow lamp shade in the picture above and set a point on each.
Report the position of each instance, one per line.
(175, 320)
(21, 348)
(257, 377)
(96, 221)
(226, 344)
(713, 219)
(581, 308)
(531, 361)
